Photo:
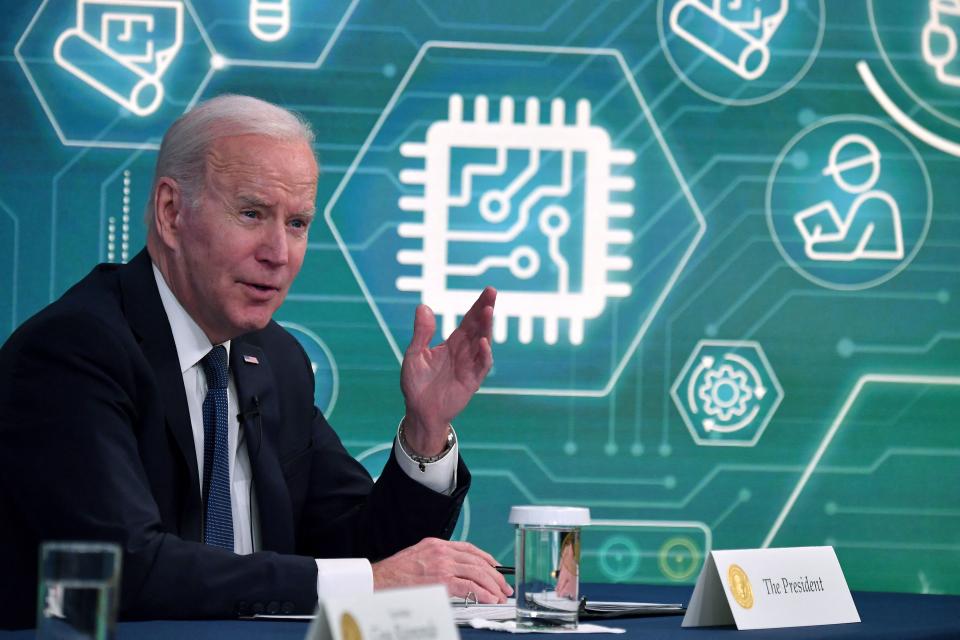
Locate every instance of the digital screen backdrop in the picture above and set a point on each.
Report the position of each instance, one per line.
(725, 235)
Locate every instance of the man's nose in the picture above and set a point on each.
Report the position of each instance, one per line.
(273, 248)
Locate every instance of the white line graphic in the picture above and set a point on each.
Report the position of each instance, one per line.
(630, 80)
(934, 140)
(870, 378)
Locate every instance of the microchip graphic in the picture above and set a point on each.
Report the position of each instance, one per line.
(529, 207)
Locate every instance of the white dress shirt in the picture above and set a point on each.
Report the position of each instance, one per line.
(343, 576)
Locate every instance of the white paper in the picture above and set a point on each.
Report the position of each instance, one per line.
(770, 589)
(511, 627)
(393, 613)
(708, 605)
(464, 613)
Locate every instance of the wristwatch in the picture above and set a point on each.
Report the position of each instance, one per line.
(423, 461)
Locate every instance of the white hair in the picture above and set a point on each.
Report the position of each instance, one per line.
(183, 152)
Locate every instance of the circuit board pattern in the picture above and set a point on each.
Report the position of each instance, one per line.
(532, 225)
(728, 135)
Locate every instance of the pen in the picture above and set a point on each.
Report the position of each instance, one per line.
(507, 571)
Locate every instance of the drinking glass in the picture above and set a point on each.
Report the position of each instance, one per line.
(78, 590)
(548, 565)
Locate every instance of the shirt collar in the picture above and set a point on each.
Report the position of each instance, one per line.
(191, 342)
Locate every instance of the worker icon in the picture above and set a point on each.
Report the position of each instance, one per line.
(849, 202)
(871, 228)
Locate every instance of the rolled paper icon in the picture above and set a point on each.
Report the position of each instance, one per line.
(720, 39)
(126, 84)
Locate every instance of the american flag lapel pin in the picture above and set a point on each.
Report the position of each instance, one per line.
(251, 359)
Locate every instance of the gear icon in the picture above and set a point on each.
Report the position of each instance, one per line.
(725, 392)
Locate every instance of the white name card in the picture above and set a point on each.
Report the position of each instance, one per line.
(395, 614)
(771, 588)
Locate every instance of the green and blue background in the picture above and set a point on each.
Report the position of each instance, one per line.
(855, 438)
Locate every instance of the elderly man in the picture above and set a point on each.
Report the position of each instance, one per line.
(157, 405)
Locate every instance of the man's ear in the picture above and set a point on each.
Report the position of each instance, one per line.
(168, 212)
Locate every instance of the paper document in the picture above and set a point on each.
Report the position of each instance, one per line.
(597, 609)
(589, 610)
(461, 614)
(510, 626)
(464, 613)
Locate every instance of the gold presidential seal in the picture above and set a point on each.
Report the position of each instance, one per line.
(740, 586)
(349, 629)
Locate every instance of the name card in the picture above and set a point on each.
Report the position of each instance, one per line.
(771, 588)
(395, 614)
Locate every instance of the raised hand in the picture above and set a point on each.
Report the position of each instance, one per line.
(438, 383)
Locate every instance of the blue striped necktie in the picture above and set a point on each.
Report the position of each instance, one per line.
(218, 516)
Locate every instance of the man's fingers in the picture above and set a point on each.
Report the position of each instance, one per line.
(478, 566)
(424, 326)
(484, 357)
(473, 350)
(482, 572)
(481, 313)
(487, 320)
(490, 578)
(460, 566)
(486, 578)
(460, 587)
(473, 550)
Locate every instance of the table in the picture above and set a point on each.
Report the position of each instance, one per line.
(885, 616)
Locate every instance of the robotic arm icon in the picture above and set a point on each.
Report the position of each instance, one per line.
(939, 40)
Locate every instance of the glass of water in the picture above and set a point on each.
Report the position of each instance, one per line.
(78, 591)
(548, 565)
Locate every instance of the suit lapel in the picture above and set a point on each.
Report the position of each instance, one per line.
(260, 421)
(144, 311)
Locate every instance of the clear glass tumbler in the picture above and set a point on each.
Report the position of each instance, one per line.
(547, 577)
(78, 590)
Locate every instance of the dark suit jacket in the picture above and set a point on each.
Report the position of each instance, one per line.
(96, 444)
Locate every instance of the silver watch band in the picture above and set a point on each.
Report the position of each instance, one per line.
(422, 461)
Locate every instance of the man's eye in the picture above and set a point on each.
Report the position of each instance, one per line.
(249, 213)
(298, 224)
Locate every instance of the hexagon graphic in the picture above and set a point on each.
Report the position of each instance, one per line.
(727, 392)
(539, 171)
(114, 73)
(293, 34)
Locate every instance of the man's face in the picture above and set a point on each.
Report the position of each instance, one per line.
(242, 246)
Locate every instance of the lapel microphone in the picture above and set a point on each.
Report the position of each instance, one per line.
(253, 411)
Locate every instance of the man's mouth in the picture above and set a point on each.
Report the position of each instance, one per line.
(260, 288)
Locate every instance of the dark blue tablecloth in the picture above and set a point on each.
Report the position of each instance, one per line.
(885, 616)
